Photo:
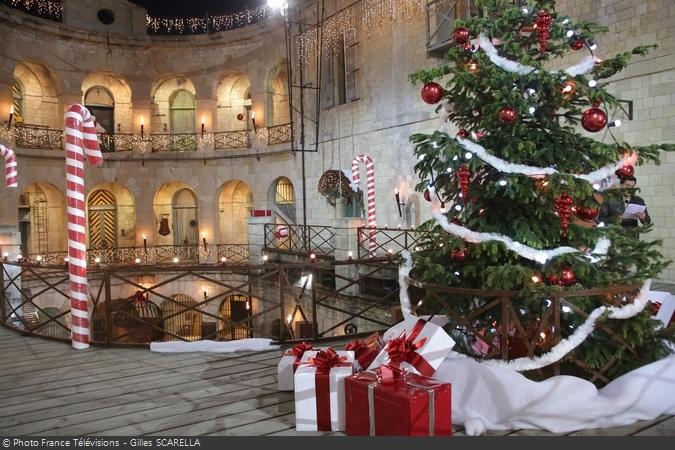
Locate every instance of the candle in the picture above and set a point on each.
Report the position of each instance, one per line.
(142, 123)
(145, 244)
(203, 124)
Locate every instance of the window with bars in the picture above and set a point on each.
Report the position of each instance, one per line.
(340, 71)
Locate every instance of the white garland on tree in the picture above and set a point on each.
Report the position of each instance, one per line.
(595, 177)
(531, 253)
(583, 67)
(564, 346)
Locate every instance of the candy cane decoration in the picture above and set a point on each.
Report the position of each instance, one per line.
(10, 166)
(370, 184)
(80, 138)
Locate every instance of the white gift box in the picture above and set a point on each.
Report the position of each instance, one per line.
(435, 344)
(667, 308)
(285, 370)
(306, 418)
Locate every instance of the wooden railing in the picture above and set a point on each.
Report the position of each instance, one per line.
(138, 305)
(317, 239)
(388, 241)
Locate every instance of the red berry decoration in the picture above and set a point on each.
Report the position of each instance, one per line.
(427, 195)
(459, 254)
(432, 93)
(567, 277)
(543, 22)
(594, 120)
(563, 205)
(587, 212)
(625, 171)
(507, 115)
(461, 35)
(463, 175)
(462, 133)
(553, 279)
(578, 44)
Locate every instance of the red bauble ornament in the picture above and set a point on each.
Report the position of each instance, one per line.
(594, 120)
(563, 206)
(463, 175)
(578, 44)
(543, 22)
(432, 93)
(587, 212)
(625, 171)
(462, 133)
(427, 195)
(459, 254)
(461, 35)
(468, 47)
(480, 134)
(567, 277)
(507, 115)
(553, 279)
(240, 116)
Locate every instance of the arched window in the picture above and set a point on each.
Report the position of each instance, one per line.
(182, 112)
(102, 220)
(185, 225)
(101, 104)
(284, 199)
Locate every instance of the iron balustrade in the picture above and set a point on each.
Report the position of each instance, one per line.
(118, 142)
(138, 305)
(388, 240)
(225, 140)
(317, 239)
(279, 134)
(173, 142)
(233, 252)
(38, 137)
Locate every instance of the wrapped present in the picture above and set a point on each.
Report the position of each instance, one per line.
(662, 306)
(396, 403)
(420, 348)
(319, 390)
(289, 364)
(365, 350)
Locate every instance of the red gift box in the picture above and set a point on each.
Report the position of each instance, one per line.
(410, 405)
(365, 350)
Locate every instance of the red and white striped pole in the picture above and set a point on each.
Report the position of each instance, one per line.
(80, 139)
(370, 192)
(10, 166)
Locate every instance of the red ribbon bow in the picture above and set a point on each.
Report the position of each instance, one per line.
(299, 349)
(325, 359)
(404, 349)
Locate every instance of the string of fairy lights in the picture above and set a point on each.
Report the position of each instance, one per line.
(47, 9)
(372, 16)
(208, 24)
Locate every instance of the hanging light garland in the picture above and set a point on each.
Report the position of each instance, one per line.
(209, 24)
(46, 9)
(373, 15)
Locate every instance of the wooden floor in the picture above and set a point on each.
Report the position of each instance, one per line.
(46, 388)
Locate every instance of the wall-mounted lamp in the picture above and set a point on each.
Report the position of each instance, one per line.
(255, 129)
(11, 115)
(203, 124)
(204, 240)
(119, 127)
(145, 245)
(398, 202)
(205, 294)
(142, 124)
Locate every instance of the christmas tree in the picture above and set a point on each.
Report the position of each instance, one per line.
(522, 198)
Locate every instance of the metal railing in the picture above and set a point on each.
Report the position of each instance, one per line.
(34, 136)
(178, 142)
(225, 140)
(118, 142)
(279, 134)
(131, 305)
(388, 241)
(317, 239)
(152, 255)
